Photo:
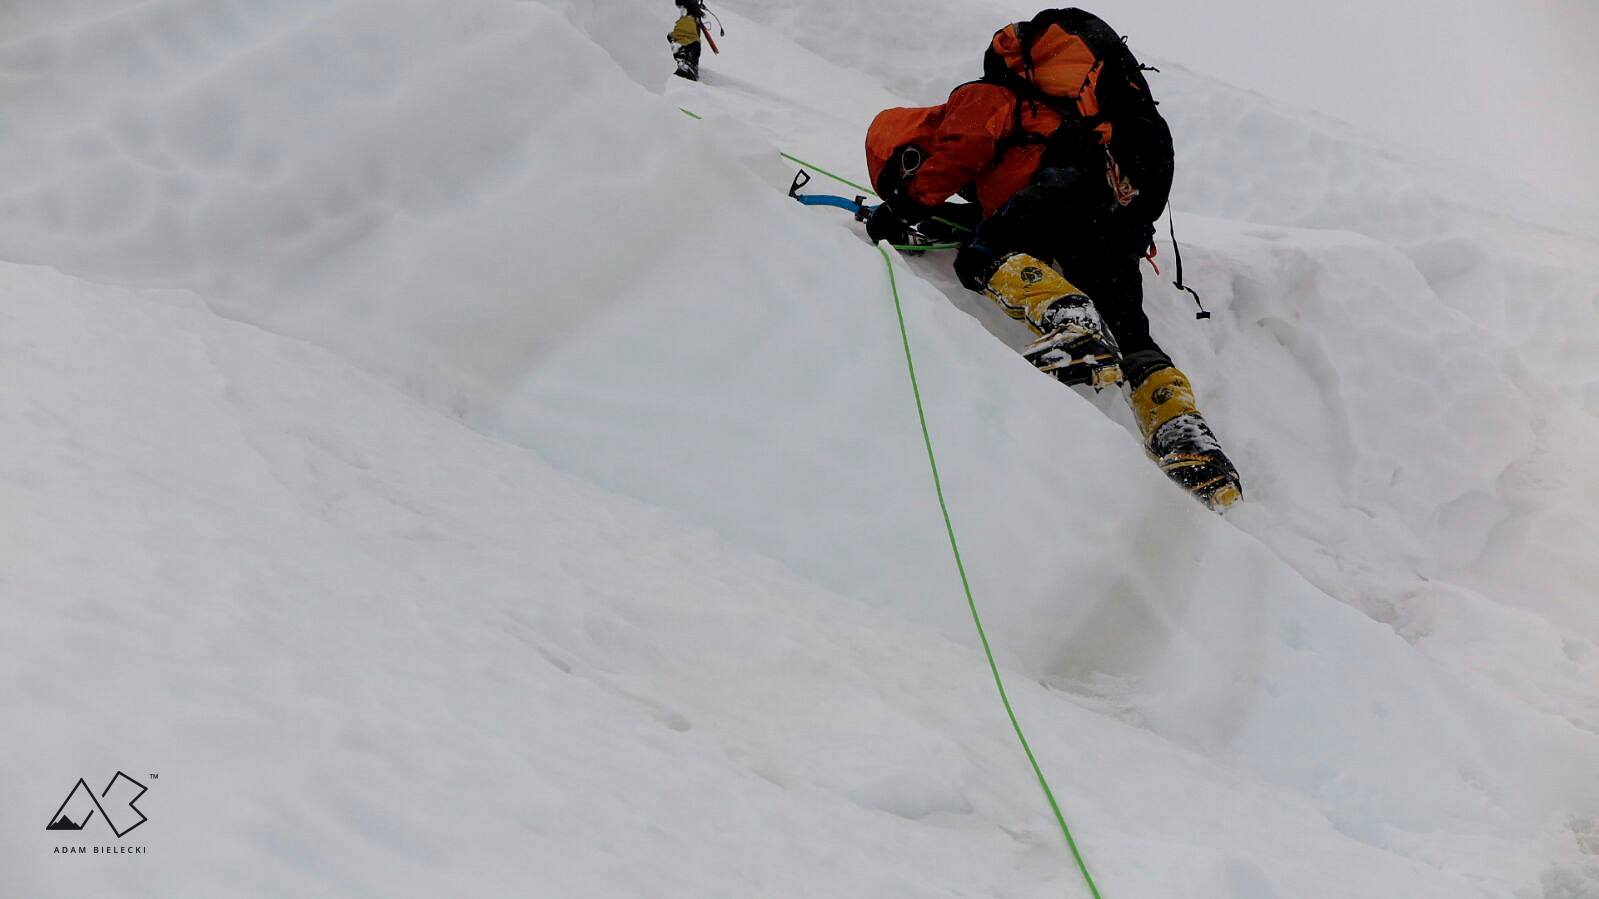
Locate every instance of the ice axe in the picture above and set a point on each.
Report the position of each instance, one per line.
(861, 211)
(720, 31)
(857, 206)
(706, 32)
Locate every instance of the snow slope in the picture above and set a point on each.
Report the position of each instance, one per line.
(508, 489)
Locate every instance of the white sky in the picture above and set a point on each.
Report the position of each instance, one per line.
(1511, 85)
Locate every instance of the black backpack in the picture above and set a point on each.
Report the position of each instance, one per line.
(1073, 62)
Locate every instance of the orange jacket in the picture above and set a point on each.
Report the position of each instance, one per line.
(965, 143)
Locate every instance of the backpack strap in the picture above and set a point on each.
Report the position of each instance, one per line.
(1177, 253)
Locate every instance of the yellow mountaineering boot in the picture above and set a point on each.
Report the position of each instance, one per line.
(1073, 345)
(1178, 439)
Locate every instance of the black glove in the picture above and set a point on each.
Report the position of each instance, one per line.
(885, 224)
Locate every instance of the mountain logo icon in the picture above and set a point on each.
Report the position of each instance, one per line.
(115, 805)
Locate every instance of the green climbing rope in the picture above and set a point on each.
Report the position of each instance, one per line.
(821, 171)
(977, 619)
(949, 526)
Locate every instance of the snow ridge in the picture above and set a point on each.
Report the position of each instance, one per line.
(423, 437)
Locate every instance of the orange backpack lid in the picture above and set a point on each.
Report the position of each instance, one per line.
(1057, 64)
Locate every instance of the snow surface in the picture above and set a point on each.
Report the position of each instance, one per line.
(453, 469)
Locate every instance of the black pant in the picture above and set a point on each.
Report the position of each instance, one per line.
(1069, 216)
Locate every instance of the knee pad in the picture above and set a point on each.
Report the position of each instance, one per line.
(973, 266)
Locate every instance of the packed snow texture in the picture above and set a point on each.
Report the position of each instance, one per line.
(454, 470)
